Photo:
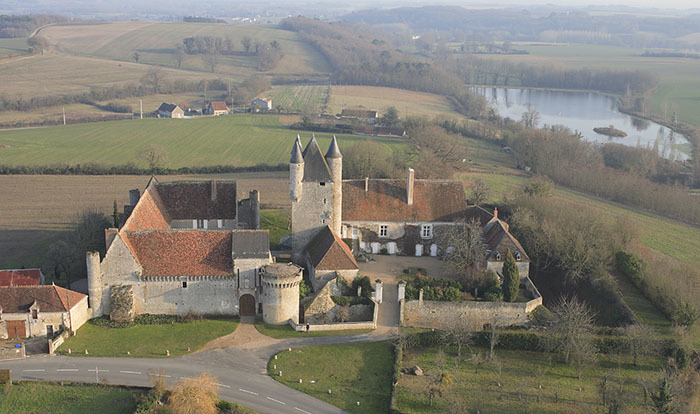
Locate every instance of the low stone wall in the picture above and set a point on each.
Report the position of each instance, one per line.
(439, 315)
(8, 351)
(58, 341)
(339, 326)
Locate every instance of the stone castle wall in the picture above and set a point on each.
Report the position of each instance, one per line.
(310, 214)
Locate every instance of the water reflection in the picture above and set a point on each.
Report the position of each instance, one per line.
(583, 111)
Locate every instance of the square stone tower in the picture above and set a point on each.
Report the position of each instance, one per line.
(315, 191)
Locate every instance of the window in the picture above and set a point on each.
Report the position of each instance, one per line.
(325, 201)
(201, 224)
(426, 231)
(323, 221)
(184, 284)
(517, 255)
(322, 183)
(220, 224)
(35, 314)
(383, 230)
(498, 255)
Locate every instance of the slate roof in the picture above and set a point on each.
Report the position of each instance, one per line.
(385, 200)
(297, 156)
(193, 200)
(315, 165)
(328, 251)
(182, 252)
(251, 244)
(18, 299)
(499, 239)
(333, 150)
(166, 107)
(20, 277)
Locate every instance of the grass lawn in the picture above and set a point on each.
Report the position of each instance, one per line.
(277, 223)
(643, 309)
(357, 372)
(38, 397)
(146, 341)
(286, 331)
(520, 375)
(239, 140)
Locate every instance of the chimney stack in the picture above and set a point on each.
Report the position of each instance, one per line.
(213, 190)
(366, 184)
(409, 186)
(134, 196)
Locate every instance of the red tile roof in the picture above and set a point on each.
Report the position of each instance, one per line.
(182, 252)
(149, 213)
(328, 251)
(18, 299)
(385, 200)
(20, 277)
(219, 106)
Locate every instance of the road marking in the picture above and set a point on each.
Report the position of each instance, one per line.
(224, 385)
(161, 375)
(249, 392)
(130, 372)
(33, 370)
(303, 411)
(277, 401)
(67, 370)
(98, 370)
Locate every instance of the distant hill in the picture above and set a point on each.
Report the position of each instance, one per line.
(24, 25)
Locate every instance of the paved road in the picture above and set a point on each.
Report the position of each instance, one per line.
(241, 373)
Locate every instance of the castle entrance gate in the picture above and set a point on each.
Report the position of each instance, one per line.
(247, 305)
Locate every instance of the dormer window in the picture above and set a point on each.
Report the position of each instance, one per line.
(35, 314)
(497, 255)
(517, 255)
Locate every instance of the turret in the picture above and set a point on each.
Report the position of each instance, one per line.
(296, 171)
(335, 162)
(94, 276)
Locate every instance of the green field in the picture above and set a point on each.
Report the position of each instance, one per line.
(37, 397)
(239, 140)
(156, 43)
(678, 91)
(357, 372)
(521, 374)
(298, 99)
(13, 47)
(146, 341)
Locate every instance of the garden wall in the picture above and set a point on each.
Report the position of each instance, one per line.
(440, 315)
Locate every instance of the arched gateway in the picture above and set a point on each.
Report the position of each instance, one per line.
(247, 305)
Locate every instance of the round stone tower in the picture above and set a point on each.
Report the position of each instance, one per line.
(94, 278)
(296, 171)
(335, 162)
(280, 285)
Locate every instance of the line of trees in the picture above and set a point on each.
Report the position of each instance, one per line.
(24, 25)
(268, 54)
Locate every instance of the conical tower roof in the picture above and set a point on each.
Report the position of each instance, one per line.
(297, 157)
(315, 166)
(333, 150)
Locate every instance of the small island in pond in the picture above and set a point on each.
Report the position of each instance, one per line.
(610, 131)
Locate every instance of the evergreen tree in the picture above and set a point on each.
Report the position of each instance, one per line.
(663, 399)
(115, 215)
(511, 278)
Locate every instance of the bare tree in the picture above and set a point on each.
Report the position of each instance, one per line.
(211, 59)
(571, 329)
(153, 79)
(479, 192)
(492, 335)
(641, 341)
(247, 42)
(530, 118)
(179, 55)
(195, 396)
(467, 249)
(459, 334)
(155, 156)
(136, 56)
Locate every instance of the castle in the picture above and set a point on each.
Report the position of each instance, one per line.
(195, 247)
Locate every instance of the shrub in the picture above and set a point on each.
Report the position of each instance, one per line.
(366, 285)
(542, 316)
(351, 300)
(494, 294)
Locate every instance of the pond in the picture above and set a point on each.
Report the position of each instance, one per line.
(583, 111)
